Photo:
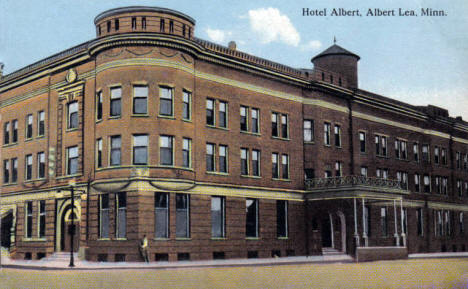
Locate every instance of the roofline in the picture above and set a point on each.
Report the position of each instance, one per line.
(341, 53)
(130, 9)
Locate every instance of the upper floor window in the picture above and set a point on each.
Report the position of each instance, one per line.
(364, 171)
(243, 118)
(223, 160)
(162, 25)
(337, 136)
(416, 152)
(171, 26)
(115, 101)
(140, 149)
(14, 170)
(244, 161)
(425, 153)
(210, 157)
(285, 166)
(116, 24)
(417, 181)
(108, 26)
(458, 160)
(274, 165)
(6, 171)
(274, 124)
(72, 160)
(338, 169)
(402, 177)
(73, 115)
(28, 167)
(465, 162)
(186, 153)
(143, 22)
(40, 165)
(308, 130)
(99, 105)
(186, 107)
(381, 145)
(210, 116)
(436, 155)
(382, 173)
(284, 126)
(40, 123)
(401, 149)
(222, 122)
(140, 99)
(443, 153)
(326, 133)
(166, 150)
(14, 125)
(254, 123)
(166, 99)
(427, 183)
(134, 23)
(256, 163)
(29, 126)
(99, 153)
(362, 142)
(6, 133)
(115, 147)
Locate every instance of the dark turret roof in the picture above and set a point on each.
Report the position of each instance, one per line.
(335, 50)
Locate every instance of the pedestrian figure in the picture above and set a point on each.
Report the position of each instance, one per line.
(144, 249)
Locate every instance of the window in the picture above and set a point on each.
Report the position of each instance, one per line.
(256, 163)
(115, 101)
(116, 24)
(40, 165)
(72, 160)
(73, 115)
(326, 133)
(308, 130)
(14, 170)
(444, 156)
(161, 209)
(459, 188)
(425, 153)
(364, 171)
(161, 25)
(362, 142)
(140, 149)
(381, 145)
(384, 221)
(427, 184)
(183, 29)
(222, 122)
(115, 154)
(402, 177)
(121, 215)
(29, 219)
(186, 105)
(99, 106)
(309, 174)
(281, 219)
(438, 223)
(401, 149)
(104, 216)
(28, 167)
(417, 180)
(244, 161)
(223, 160)
(187, 153)
(285, 166)
(274, 124)
(182, 216)
(140, 99)
(328, 174)
(108, 26)
(436, 155)
(251, 226)
(438, 184)
(465, 162)
(274, 165)
(416, 152)
(243, 118)
(40, 123)
(254, 120)
(6, 133)
(444, 185)
(338, 169)
(165, 105)
(217, 217)
(166, 150)
(14, 125)
(210, 116)
(284, 126)
(210, 157)
(143, 22)
(99, 153)
(29, 126)
(6, 171)
(461, 224)
(337, 136)
(457, 158)
(42, 219)
(420, 221)
(134, 23)
(171, 26)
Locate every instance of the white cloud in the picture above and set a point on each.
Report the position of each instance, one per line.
(312, 45)
(217, 35)
(270, 25)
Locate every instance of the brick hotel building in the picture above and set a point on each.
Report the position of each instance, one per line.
(214, 153)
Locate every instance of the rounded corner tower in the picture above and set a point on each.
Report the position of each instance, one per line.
(339, 60)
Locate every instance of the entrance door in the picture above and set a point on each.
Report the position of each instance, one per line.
(69, 231)
(7, 223)
(326, 233)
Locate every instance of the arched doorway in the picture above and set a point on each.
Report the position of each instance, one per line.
(65, 230)
(342, 219)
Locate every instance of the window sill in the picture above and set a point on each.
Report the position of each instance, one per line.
(40, 136)
(34, 239)
(28, 139)
(250, 133)
(251, 177)
(338, 147)
(120, 239)
(9, 145)
(252, 238)
(71, 129)
(166, 116)
(282, 238)
(103, 239)
(217, 127)
(98, 120)
(183, 239)
(114, 117)
(281, 180)
(218, 238)
(187, 120)
(281, 138)
(10, 184)
(383, 157)
(309, 142)
(69, 176)
(140, 115)
(217, 174)
(161, 239)
(327, 145)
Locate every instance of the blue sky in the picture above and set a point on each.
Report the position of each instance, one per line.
(419, 60)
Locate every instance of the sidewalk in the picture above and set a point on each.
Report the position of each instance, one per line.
(87, 265)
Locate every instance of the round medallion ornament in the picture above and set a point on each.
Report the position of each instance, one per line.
(71, 75)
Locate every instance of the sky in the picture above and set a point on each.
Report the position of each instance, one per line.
(416, 59)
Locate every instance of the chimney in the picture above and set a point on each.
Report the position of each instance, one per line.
(232, 45)
(1, 69)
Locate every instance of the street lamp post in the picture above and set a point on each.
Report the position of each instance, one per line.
(72, 229)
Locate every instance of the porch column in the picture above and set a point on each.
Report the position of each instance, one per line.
(364, 224)
(403, 235)
(356, 235)
(397, 238)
